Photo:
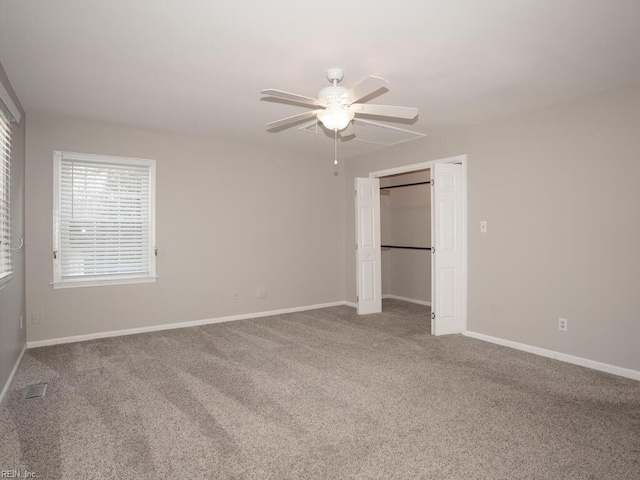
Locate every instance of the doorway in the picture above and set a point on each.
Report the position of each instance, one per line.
(405, 236)
(448, 240)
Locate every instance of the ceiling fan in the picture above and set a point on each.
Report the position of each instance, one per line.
(336, 106)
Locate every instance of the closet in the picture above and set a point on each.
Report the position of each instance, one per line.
(405, 234)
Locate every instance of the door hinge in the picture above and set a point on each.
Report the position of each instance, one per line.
(433, 315)
(433, 250)
(356, 192)
(356, 246)
(55, 254)
(357, 298)
(432, 182)
(155, 251)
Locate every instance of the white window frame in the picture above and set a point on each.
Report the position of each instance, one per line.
(7, 275)
(58, 280)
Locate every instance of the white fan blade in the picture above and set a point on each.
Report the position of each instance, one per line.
(364, 88)
(384, 110)
(293, 119)
(294, 97)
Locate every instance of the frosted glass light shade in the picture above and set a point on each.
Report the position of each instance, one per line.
(335, 117)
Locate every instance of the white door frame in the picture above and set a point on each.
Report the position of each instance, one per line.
(461, 159)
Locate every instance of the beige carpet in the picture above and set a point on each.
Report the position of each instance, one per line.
(323, 394)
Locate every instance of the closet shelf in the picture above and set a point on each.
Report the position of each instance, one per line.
(408, 248)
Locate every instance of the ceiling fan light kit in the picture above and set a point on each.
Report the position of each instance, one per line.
(336, 117)
(335, 106)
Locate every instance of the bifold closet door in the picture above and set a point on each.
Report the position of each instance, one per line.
(368, 257)
(447, 290)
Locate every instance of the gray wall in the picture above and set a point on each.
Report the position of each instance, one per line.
(559, 189)
(230, 217)
(405, 219)
(557, 186)
(12, 296)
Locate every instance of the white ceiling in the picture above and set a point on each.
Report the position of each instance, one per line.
(197, 66)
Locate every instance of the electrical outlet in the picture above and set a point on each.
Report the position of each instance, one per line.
(21, 327)
(562, 324)
(35, 319)
(262, 292)
(483, 226)
(234, 295)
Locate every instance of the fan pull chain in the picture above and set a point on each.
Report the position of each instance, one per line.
(335, 148)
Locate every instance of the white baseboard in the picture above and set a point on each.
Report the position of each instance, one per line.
(405, 299)
(396, 297)
(564, 357)
(584, 362)
(171, 326)
(13, 372)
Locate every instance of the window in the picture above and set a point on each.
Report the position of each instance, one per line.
(104, 220)
(5, 197)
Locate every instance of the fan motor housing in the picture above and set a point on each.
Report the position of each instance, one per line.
(331, 94)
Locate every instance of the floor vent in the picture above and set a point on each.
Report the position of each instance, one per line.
(35, 391)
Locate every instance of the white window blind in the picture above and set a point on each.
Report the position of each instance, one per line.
(5, 196)
(105, 219)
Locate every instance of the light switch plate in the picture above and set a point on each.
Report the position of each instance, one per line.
(483, 226)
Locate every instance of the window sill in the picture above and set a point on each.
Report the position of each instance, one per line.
(103, 282)
(4, 280)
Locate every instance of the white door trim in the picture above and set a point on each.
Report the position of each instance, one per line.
(418, 166)
(462, 159)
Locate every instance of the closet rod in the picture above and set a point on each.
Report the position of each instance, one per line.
(408, 248)
(405, 185)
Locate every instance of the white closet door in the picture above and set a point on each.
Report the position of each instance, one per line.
(368, 259)
(447, 283)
